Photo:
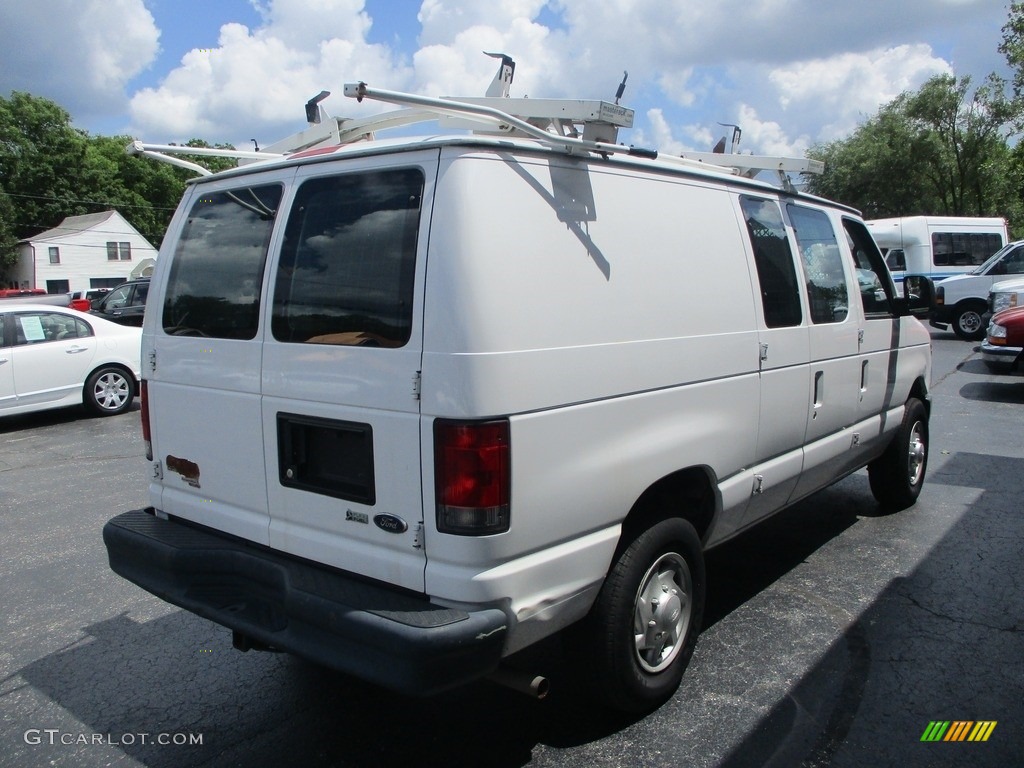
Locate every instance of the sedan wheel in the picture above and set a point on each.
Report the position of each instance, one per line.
(109, 391)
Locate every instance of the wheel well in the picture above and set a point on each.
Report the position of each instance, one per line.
(920, 391)
(972, 302)
(688, 494)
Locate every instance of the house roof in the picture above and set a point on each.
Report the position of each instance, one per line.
(73, 224)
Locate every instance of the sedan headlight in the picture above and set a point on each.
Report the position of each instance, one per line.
(997, 333)
(1001, 301)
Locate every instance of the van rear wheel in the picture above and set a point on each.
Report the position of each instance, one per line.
(897, 475)
(641, 632)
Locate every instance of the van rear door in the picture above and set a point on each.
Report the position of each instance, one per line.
(340, 409)
(202, 348)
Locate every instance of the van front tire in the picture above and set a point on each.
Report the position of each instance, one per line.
(641, 632)
(897, 475)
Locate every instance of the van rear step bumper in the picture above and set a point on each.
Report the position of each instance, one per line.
(387, 637)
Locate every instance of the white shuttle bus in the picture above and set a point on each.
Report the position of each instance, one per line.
(937, 246)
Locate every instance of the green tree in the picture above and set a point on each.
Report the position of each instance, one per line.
(942, 149)
(50, 170)
(874, 169)
(41, 157)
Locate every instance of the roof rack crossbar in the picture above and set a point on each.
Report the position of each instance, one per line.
(497, 117)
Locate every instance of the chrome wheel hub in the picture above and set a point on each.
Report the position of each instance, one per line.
(662, 612)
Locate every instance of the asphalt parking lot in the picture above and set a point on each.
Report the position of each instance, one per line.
(835, 634)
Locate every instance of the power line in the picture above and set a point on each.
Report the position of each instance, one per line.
(89, 202)
(72, 231)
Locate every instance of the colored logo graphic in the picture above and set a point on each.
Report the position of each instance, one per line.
(958, 730)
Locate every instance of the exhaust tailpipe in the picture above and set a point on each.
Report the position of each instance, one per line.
(534, 686)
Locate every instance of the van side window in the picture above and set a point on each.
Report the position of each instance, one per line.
(217, 274)
(348, 261)
(873, 280)
(776, 271)
(823, 265)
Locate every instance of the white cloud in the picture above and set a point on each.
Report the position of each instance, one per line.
(80, 54)
(849, 86)
(255, 82)
(768, 137)
(773, 66)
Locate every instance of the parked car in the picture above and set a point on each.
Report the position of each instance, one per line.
(124, 304)
(52, 357)
(1003, 349)
(83, 300)
(9, 297)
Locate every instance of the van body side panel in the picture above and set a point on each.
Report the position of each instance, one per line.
(589, 308)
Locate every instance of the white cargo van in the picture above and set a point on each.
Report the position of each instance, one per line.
(937, 246)
(415, 404)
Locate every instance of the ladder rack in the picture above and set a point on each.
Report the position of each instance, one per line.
(578, 127)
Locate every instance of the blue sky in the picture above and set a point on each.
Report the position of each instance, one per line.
(789, 72)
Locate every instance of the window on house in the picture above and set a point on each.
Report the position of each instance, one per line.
(54, 255)
(58, 286)
(119, 251)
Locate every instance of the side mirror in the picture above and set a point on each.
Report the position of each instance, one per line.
(918, 296)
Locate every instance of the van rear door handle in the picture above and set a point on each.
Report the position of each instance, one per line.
(819, 387)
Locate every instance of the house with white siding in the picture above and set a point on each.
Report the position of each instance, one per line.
(97, 250)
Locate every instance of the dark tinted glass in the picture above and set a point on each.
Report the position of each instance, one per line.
(347, 265)
(776, 271)
(217, 274)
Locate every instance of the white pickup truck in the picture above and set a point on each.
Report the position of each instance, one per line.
(961, 300)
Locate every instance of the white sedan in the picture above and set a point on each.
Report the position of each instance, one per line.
(52, 357)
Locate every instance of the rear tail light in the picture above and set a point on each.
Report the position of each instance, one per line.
(144, 401)
(472, 476)
(940, 295)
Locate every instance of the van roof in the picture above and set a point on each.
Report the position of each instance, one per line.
(519, 146)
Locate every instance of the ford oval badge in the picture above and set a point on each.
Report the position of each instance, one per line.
(390, 523)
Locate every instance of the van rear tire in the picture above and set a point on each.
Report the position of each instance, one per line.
(640, 634)
(897, 475)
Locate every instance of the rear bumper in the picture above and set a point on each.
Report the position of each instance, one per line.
(388, 637)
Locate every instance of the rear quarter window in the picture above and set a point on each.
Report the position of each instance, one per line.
(217, 274)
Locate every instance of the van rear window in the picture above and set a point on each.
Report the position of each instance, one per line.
(348, 261)
(217, 274)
